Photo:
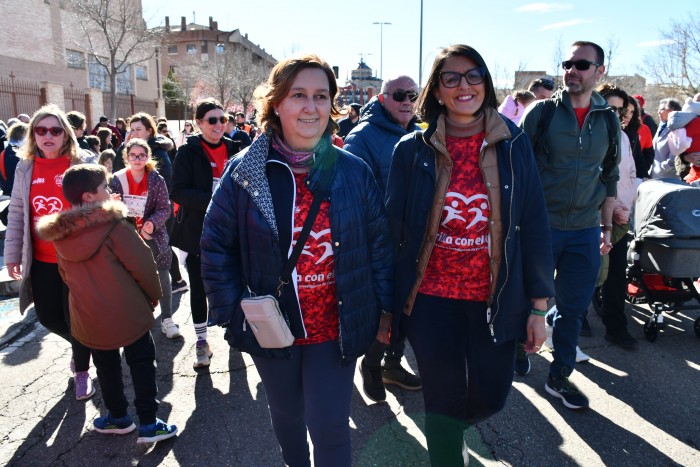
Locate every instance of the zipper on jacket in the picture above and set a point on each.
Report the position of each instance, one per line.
(491, 318)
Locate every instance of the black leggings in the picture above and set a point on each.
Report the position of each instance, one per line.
(51, 307)
(198, 299)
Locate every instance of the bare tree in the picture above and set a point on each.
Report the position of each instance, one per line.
(675, 62)
(115, 35)
(612, 45)
(558, 56)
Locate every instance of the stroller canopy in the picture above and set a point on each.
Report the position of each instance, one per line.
(667, 209)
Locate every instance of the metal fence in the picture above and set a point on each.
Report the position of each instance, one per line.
(20, 97)
(77, 99)
(129, 105)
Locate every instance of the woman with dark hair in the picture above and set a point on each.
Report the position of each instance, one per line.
(341, 284)
(187, 131)
(473, 254)
(640, 139)
(198, 166)
(51, 148)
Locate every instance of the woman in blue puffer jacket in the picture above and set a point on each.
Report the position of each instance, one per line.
(342, 281)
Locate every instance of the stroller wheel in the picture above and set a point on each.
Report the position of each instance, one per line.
(697, 327)
(651, 332)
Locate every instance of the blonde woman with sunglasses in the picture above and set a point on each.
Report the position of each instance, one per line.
(51, 148)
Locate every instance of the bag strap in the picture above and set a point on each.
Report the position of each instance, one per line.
(321, 193)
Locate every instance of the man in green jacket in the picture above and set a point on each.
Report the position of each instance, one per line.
(577, 159)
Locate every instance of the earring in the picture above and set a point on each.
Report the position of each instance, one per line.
(277, 113)
(440, 101)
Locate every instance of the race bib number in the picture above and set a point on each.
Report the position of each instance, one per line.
(136, 205)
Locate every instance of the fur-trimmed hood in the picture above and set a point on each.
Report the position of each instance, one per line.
(86, 225)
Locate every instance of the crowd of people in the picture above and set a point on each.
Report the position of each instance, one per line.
(434, 217)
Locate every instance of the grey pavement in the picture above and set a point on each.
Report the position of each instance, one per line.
(644, 410)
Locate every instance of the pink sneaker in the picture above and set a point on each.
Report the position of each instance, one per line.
(84, 388)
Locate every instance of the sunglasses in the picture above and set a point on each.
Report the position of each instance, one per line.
(451, 79)
(142, 157)
(546, 83)
(622, 111)
(581, 65)
(400, 96)
(54, 130)
(213, 120)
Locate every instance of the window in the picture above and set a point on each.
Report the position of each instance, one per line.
(97, 78)
(172, 49)
(75, 59)
(191, 48)
(142, 72)
(204, 48)
(124, 82)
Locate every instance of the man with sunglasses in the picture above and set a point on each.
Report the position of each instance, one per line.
(578, 164)
(384, 121)
(542, 88)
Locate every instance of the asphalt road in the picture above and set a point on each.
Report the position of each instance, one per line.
(645, 408)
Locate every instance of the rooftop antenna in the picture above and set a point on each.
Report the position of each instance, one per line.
(194, 20)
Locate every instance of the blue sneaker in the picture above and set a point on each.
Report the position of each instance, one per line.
(114, 426)
(155, 432)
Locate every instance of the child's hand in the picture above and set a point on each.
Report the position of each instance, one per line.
(148, 227)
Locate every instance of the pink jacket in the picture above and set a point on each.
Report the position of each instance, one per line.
(627, 185)
(511, 109)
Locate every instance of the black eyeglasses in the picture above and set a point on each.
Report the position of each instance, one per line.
(54, 130)
(142, 157)
(451, 79)
(213, 120)
(581, 65)
(400, 96)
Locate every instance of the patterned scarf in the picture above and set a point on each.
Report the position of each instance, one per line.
(298, 159)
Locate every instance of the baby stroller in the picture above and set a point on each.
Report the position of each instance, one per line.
(664, 257)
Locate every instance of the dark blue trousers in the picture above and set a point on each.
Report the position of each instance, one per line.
(141, 358)
(310, 391)
(451, 341)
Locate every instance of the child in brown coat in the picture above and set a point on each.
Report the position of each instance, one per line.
(114, 288)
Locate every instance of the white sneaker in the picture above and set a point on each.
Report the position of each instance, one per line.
(170, 329)
(548, 341)
(204, 354)
(580, 356)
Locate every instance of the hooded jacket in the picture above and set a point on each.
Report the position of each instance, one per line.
(519, 242)
(98, 248)
(374, 138)
(577, 170)
(247, 237)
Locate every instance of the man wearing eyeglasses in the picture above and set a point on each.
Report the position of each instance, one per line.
(664, 160)
(384, 121)
(578, 164)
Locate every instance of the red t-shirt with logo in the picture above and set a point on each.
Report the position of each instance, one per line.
(217, 157)
(46, 197)
(315, 270)
(459, 264)
(137, 189)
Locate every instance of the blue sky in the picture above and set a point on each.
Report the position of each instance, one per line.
(508, 34)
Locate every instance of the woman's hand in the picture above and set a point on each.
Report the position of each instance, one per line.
(148, 227)
(14, 270)
(384, 332)
(535, 333)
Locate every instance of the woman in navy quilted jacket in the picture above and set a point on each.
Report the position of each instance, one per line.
(342, 281)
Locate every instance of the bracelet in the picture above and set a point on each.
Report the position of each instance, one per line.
(606, 228)
(536, 312)
(387, 313)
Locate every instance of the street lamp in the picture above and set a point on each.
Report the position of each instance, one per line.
(381, 47)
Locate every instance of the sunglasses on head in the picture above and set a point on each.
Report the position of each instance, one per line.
(54, 130)
(451, 79)
(400, 96)
(213, 120)
(581, 65)
(546, 83)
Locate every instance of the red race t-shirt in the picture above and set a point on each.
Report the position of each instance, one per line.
(315, 271)
(138, 189)
(217, 157)
(46, 197)
(581, 116)
(459, 264)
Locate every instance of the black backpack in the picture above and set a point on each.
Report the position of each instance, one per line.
(550, 105)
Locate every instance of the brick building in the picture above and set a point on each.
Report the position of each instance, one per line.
(41, 45)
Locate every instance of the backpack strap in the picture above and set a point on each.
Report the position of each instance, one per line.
(546, 116)
(121, 176)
